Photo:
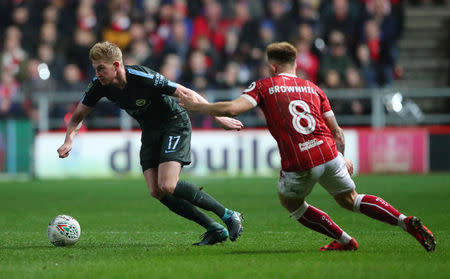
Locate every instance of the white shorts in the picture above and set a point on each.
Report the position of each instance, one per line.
(332, 175)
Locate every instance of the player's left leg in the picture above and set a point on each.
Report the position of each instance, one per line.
(293, 187)
(376, 208)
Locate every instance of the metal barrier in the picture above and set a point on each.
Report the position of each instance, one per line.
(388, 107)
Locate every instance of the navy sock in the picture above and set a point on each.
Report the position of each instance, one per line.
(197, 197)
(187, 210)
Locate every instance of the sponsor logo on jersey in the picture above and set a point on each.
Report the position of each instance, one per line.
(89, 86)
(309, 144)
(292, 89)
(140, 102)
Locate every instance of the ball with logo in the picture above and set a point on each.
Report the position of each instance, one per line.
(63, 230)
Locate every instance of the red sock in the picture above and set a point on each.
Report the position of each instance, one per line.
(319, 221)
(377, 208)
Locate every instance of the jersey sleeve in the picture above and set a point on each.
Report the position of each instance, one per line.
(325, 106)
(163, 84)
(154, 80)
(252, 93)
(92, 94)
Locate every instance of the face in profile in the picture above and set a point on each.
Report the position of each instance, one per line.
(105, 71)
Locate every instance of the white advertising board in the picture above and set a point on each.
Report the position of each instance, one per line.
(107, 154)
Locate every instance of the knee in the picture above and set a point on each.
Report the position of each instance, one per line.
(347, 199)
(156, 193)
(166, 187)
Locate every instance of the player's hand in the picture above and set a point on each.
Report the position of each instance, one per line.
(349, 165)
(186, 100)
(64, 150)
(229, 123)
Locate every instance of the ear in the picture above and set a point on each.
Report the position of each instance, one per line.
(116, 64)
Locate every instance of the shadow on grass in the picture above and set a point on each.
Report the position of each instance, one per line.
(94, 246)
(252, 252)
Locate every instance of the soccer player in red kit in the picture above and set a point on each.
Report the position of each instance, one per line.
(312, 146)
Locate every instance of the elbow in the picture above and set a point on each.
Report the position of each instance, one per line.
(227, 111)
(231, 113)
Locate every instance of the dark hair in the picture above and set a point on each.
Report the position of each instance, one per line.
(281, 52)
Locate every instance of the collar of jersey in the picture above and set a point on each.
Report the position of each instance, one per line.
(285, 74)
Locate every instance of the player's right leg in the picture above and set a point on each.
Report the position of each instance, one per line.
(293, 187)
(175, 153)
(168, 181)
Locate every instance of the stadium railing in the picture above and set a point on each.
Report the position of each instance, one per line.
(382, 107)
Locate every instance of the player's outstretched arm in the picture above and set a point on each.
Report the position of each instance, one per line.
(189, 100)
(72, 127)
(225, 122)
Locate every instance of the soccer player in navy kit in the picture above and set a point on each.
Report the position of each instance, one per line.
(311, 144)
(166, 134)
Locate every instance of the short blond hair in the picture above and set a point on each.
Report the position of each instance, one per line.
(106, 51)
(281, 52)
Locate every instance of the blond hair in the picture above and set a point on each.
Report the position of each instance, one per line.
(106, 51)
(281, 52)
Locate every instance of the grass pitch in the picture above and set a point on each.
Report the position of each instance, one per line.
(126, 234)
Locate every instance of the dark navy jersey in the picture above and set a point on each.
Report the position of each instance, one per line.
(146, 96)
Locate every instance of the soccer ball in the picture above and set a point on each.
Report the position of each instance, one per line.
(63, 230)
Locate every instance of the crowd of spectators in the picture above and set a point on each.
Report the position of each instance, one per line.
(202, 44)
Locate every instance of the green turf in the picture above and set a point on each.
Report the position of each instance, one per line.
(126, 234)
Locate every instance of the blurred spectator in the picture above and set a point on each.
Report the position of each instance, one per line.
(50, 14)
(79, 51)
(342, 15)
(118, 29)
(46, 54)
(332, 79)
(366, 66)
(213, 60)
(380, 53)
(228, 79)
(353, 80)
(10, 105)
(73, 79)
(171, 67)
(307, 62)
(266, 35)
(380, 11)
(336, 58)
(137, 31)
(179, 40)
(196, 74)
(21, 19)
(210, 25)
(307, 14)
(280, 16)
(38, 79)
(13, 56)
(38, 82)
(141, 53)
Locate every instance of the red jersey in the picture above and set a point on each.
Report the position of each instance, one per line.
(294, 109)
